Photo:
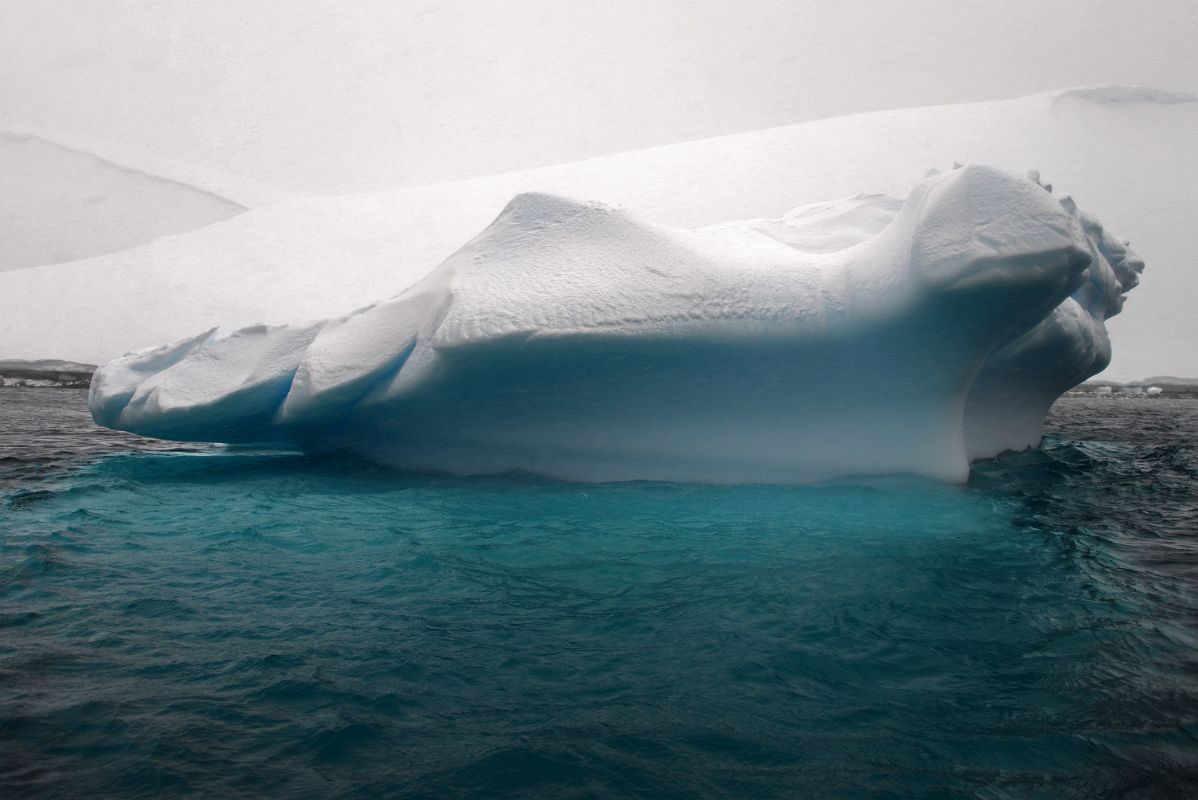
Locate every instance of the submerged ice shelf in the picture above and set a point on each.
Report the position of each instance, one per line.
(865, 336)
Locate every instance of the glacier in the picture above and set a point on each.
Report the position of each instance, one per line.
(865, 336)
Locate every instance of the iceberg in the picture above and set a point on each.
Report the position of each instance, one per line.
(865, 336)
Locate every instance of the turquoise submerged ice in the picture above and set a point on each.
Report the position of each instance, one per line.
(865, 336)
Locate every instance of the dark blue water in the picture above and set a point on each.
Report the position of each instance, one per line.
(194, 621)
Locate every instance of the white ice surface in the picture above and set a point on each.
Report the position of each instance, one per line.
(865, 336)
(335, 96)
(1126, 154)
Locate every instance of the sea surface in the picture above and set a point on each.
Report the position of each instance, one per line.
(182, 620)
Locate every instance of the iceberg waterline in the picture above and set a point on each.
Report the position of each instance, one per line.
(864, 336)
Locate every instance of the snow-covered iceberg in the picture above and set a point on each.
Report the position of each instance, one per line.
(865, 336)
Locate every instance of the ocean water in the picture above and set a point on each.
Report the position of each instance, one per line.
(198, 621)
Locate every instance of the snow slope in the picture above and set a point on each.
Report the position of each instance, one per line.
(1126, 154)
(334, 96)
(869, 336)
(65, 199)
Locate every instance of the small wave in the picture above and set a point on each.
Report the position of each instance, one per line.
(26, 498)
(159, 607)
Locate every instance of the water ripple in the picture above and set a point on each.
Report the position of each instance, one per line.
(197, 620)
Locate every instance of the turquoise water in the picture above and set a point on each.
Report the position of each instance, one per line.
(207, 622)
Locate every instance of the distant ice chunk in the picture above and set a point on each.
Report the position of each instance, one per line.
(860, 337)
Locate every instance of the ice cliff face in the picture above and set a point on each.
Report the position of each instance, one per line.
(867, 336)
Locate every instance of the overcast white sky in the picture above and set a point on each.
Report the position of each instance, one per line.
(330, 96)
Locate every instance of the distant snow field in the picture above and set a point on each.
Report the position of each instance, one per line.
(1126, 154)
(66, 200)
